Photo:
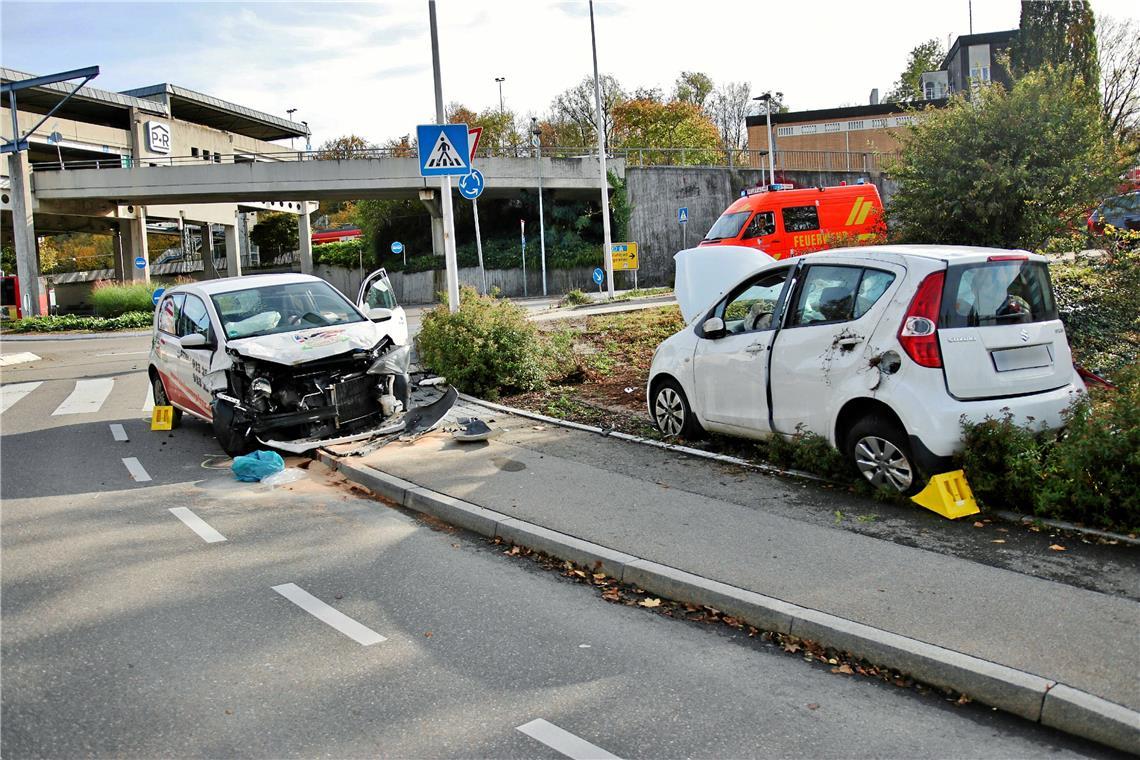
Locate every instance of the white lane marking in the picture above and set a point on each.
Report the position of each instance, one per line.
(563, 741)
(119, 433)
(87, 397)
(10, 394)
(358, 632)
(148, 405)
(20, 358)
(197, 524)
(135, 469)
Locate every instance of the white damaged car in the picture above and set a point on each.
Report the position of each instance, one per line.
(882, 350)
(284, 360)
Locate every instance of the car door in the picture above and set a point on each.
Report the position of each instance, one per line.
(376, 293)
(166, 346)
(193, 363)
(730, 367)
(825, 339)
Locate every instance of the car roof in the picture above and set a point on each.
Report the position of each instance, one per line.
(951, 254)
(245, 282)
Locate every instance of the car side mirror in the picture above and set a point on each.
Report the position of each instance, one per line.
(379, 314)
(713, 327)
(194, 340)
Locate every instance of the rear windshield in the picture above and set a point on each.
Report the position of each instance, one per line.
(728, 226)
(997, 293)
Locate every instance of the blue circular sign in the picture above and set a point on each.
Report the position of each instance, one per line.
(599, 275)
(397, 247)
(471, 185)
(140, 263)
(156, 295)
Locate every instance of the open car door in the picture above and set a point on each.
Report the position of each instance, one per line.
(376, 293)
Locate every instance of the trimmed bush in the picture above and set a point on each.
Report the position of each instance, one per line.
(132, 320)
(486, 348)
(111, 299)
(343, 253)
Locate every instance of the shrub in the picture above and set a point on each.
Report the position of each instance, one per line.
(61, 323)
(576, 298)
(112, 299)
(806, 451)
(349, 254)
(485, 348)
(1002, 461)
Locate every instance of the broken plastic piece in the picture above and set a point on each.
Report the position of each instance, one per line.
(473, 429)
(428, 382)
(949, 495)
(288, 475)
(421, 419)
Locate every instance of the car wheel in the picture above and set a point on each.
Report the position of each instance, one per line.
(671, 411)
(161, 399)
(880, 451)
(232, 434)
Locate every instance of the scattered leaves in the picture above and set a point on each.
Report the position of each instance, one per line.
(844, 669)
(998, 541)
(979, 524)
(1057, 547)
(651, 603)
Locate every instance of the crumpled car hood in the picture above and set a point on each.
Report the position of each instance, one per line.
(301, 346)
(705, 274)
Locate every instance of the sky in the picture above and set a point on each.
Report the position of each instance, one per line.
(365, 67)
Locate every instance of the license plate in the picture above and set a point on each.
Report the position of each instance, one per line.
(1023, 357)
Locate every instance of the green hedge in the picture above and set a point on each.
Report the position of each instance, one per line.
(343, 253)
(65, 322)
(111, 300)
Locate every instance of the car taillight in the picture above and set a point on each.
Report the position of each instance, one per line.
(918, 334)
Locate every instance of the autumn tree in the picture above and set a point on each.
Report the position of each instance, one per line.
(729, 107)
(1057, 33)
(1118, 51)
(341, 148)
(572, 112)
(926, 57)
(676, 124)
(693, 87)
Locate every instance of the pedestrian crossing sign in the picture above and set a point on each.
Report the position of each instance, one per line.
(443, 150)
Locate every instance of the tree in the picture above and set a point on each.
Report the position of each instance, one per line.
(572, 112)
(1006, 169)
(676, 124)
(730, 106)
(1057, 33)
(340, 148)
(275, 232)
(693, 87)
(1118, 50)
(926, 57)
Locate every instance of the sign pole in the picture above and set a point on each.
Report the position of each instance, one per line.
(452, 272)
(522, 228)
(479, 244)
(605, 182)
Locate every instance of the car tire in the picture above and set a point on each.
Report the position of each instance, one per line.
(671, 411)
(234, 441)
(879, 450)
(162, 399)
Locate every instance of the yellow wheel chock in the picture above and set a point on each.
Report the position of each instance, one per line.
(949, 495)
(162, 418)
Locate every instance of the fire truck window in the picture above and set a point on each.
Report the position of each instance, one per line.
(764, 223)
(800, 218)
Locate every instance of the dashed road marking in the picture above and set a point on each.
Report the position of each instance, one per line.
(24, 356)
(136, 469)
(197, 524)
(563, 741)
(10, 394)
(358, 632)
(87, 397)
(119, 433)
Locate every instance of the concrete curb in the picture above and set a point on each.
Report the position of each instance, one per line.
(1030, 696)
(28, 337)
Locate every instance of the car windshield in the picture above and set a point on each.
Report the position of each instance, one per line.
(728, 226)
(282, 308)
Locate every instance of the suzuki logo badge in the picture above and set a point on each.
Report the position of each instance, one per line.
(1024, 336)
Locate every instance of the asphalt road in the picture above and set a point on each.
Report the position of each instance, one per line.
(125, 632)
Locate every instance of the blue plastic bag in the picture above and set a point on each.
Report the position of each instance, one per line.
(260, 464)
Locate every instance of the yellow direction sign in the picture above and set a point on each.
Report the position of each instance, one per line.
(624, 256)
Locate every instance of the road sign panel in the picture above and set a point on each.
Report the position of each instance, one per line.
(471, 185)
(683, 215)
(473, 135)
(397, 247)
(157, 295)
(443, 149)
(624, 256)
(599, 275)
(140, 262)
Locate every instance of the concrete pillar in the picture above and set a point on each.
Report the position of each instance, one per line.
(209, 270)
(133, 233)
(24, 233)
(305, 239)
(430, 199)
(233, 253)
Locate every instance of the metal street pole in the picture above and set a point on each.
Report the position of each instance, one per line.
(536, 139)
(771, 147)
(522, 232)
(500, 80)
(479, 243)
(452, 270)
(607, 252)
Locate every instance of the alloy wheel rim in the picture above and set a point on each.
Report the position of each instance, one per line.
(669, 411)
(882, 463)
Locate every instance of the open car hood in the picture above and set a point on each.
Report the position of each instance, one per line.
(301, 346)
(705, 274)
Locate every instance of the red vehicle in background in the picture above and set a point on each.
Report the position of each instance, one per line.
(336, 235)
(10, 297)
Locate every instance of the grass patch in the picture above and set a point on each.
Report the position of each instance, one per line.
(629, 295)
(112, 299)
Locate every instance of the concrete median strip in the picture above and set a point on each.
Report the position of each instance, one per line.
(1025, 694)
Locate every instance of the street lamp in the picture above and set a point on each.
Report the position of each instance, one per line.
(766, 98)
(607, 249)
(290, 111)
(500, 80)
(536, 141)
